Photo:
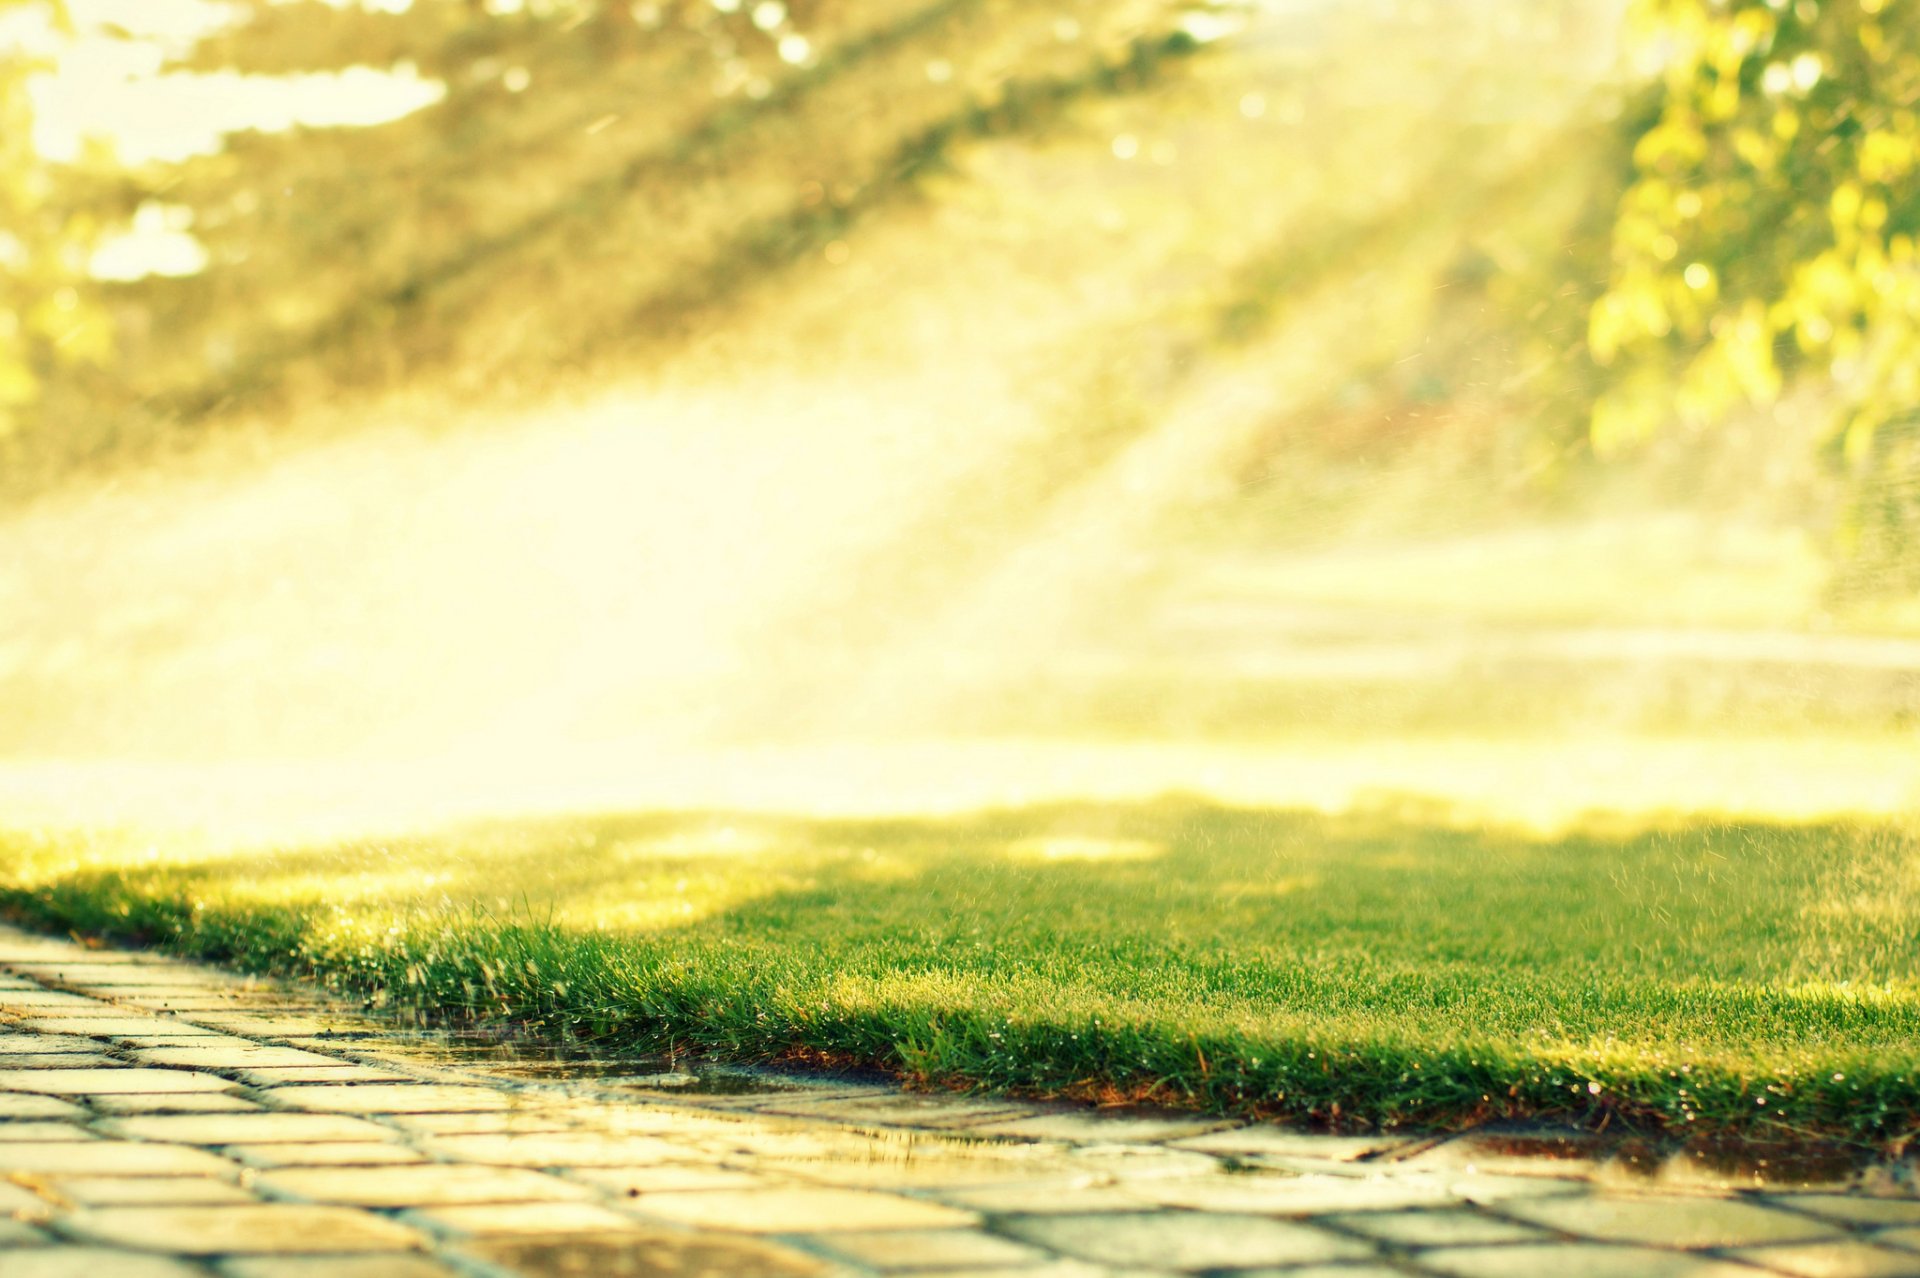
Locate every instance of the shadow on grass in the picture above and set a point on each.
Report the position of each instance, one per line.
(1378, 968)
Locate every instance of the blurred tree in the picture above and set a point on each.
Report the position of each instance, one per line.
(594, 174)
(47, 319)
(1770, 230)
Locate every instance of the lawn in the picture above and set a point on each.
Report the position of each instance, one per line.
(1401, 966)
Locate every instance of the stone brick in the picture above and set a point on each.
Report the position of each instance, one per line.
(1855, 1209)
(132, 1191)
(63, 1060)
(18, 1200)
(108, 1082)
(1296, 1195)
(391, 1098)
(646, 1254)
(18, 1233)
(92, 1262)
(1577, 1260)
(37, 1002)
(787, 1211)
(1671, 1222)
(1185, 1240)
(425, 1185)
(1067, 1195)
(107, 1023)
(18, 1105)
(1459, 1228)
(522, 1218)
(1265, 1140)
(542, 1119)
(339, 1072)
(260, 1128)
(634, 1181)
(12, 1045)
(558, 1149)
(376, 1265)
(179, 1103)
(901, 1110)
(109, 1158)
(1835, 1260)
(257, 1025)
(918, 1249)
(1081, 1126)
(42, 1132)
(1908, 1238)
(164, 1036)
(231, 1054)
(265, 1228)
(341, 1154)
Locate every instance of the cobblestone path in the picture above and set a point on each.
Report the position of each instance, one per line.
(160, 1119)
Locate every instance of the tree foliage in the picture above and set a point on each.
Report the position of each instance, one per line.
(47, 320)
(1768, 239)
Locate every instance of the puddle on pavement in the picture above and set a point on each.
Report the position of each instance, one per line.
(1649, 1158)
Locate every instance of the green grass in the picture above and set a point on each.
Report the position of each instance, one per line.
(1369, 969)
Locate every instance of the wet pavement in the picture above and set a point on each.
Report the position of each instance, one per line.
(161, 1119)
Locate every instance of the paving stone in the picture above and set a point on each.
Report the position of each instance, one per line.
(522, 1218)
(261, 1128)
(268, 1227)
(558, 1149)
(379, 1265)
(129, 979)
(935, 1172)
(1907, 1238)
(1578, 1260)
(1269, 1141)
(1065, 1195)
(389, 1098)
(425, 1185)
(1835, 1260)
(38, 1001)
(108, 1082)
(18, 1200)
(647, 1254)
(42, 1132)
(905, 1110)
(180, 1103)
(92, 1262)
(341, 1072)
(129, 1191)
(109, 1158)
(543, 1119)
(1671, 1222)
(1855, 1209)
(788, 1211)
(634, 1181)
(108, 1025)
(1080, 1126)
(234, 1054)
(18, 1233)
(19, 1105)
(1185, 1240)
(1311, 1271)
(1437, 1228)
(1485, 1188)
(63, 1060)
(341, 1154)
(1138, 1162)
(164, 1037)
(261, 1026)
(1296, 1195)
(12, 1045)
(918, 1249)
